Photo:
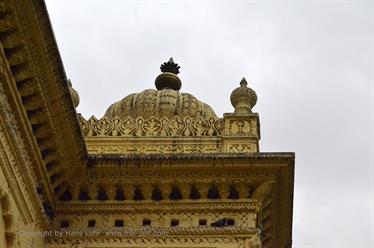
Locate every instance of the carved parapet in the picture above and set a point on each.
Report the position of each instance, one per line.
(150, 127)
(241, 133)
(152, 135)
(232, 134)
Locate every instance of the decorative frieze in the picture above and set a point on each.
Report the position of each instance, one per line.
(240, 214)
(231, 134)
(200, 240)
(151, 127)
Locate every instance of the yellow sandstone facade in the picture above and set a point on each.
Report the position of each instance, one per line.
(160, 169)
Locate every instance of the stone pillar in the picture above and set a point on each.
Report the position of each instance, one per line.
(92, 191)
(147, 190)
(129, 190)
(166, 189)
(111, 191)
(224, 190)
(75, 190)
(243, 190)
(185, 189)
(203, 188)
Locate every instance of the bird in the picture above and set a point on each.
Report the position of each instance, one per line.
(219, 223)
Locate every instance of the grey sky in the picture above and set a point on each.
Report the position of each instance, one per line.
(310, 64)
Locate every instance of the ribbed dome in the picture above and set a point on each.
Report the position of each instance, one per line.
(165, 101)
(160, 103)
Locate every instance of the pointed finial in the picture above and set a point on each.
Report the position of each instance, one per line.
(243, 98)
(243, 82)
(170, 66)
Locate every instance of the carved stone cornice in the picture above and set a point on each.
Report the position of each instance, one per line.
(39, 95)
(223, 241)
(150, 232)
(82, 208)
(225, 158)
(15, 160)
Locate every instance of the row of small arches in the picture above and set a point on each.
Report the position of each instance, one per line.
(157, 195)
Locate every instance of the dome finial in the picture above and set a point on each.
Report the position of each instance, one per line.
(243, 98)
(168, 79)
(243, 82)
(170, 66)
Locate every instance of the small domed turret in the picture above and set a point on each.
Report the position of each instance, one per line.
(243, 98)
(74, 94)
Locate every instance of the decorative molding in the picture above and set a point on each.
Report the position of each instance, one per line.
(240, 127)
(88, 242)
(241, 148)
(162, 231)
(14, 160)
(167, 147)
(153, 207)
(39, 94)
(128, 135)
(8, 218)
(151, 127)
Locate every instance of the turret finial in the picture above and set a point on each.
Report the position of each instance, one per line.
(243, 98)
(170, 66)
(168, 79)
(243, 82)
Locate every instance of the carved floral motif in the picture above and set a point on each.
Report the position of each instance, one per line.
(242, 127)
(156, 148)
(176, 126)
(241, 148)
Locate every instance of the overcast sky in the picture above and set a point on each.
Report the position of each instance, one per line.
(311, 64)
